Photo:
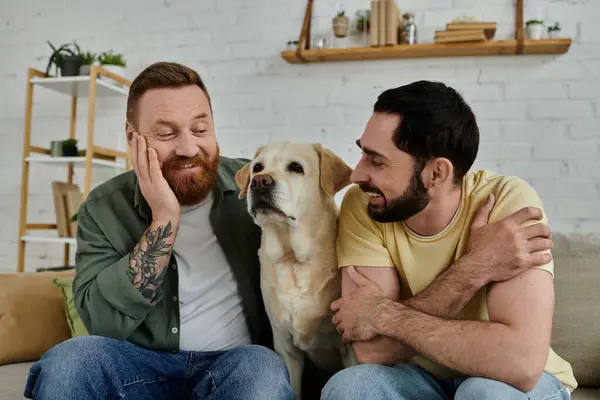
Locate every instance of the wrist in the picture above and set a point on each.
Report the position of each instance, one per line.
(386, 313)
(164, 219)
(471, 270)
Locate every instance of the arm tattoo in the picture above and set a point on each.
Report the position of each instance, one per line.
(148, 260)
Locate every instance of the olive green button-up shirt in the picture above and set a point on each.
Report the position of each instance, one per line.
(112, 220)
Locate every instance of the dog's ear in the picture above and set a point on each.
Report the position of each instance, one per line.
(335, 173)
(242, 178)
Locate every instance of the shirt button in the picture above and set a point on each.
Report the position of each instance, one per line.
(174, 298)
(174, 330)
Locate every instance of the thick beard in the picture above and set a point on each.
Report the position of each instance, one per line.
(414, 200)
(191, 189)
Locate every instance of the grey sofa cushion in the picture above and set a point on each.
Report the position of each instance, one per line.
(576, 330)
(12, 380)
(586, 394)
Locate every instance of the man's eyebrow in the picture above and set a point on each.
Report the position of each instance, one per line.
(368, 151)
(171, 124)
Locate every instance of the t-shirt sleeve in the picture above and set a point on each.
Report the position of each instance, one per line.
(360, 240)
(512, 194)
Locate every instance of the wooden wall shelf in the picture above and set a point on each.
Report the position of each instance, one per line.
(518, 46)
(488, 48)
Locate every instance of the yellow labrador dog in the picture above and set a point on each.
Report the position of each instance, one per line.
(290, 189)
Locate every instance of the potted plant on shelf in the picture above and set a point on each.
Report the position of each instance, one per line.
(535, 29)
(67, 58)
(63, 148)
(340, 24)
(362, 21)
(554, 31)
(89, 58)
(112, 62)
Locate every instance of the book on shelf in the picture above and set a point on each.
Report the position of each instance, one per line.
(488, 28)
(384, 23)
(476, 35)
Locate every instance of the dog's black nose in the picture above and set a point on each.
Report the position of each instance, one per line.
(262, 181)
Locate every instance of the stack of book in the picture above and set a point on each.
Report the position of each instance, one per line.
(384, 23)
(466, 32)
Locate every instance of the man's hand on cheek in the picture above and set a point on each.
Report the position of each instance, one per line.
(356, 312)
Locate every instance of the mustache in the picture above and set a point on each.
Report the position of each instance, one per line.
(372, 189)
(179, 161)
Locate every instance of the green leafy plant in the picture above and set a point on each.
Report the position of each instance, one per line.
(110, 58)
(363, 20)
(341, 13)
(88, 58)
(554, 28)
(67, 51)
(534, 22)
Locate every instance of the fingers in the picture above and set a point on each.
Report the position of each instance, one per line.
(155, 171)
(336, 305)
(539, 244)
(526, 214)
(483, 213)
(142, 159)
(537, 230)
(358, 278)
(540, 259)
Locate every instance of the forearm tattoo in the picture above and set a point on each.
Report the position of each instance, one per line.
(148, 260)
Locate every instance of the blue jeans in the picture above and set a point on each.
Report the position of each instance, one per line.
(411, 382)
(94, 367)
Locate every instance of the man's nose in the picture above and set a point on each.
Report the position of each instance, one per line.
(186, 146)
(357, 175)
(262, 181)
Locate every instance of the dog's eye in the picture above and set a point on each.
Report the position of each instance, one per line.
(295, 167)
(257, 167)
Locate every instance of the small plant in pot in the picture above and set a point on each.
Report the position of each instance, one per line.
(340, 24)
(89, 59)
(67, 58)
(535, 29)
(363, 21)
(554, 31)
(70, 148)
(112, 62)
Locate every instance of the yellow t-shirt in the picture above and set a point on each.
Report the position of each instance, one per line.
(418, 259)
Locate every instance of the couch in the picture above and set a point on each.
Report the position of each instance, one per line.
(576, 332)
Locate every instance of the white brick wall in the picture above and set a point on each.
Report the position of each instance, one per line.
(539, 115)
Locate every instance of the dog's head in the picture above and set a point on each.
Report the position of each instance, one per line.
(285, 179)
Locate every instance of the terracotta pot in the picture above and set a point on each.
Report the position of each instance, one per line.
(341, 23)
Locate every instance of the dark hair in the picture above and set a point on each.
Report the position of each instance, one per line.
(435, 122)
(161, 75)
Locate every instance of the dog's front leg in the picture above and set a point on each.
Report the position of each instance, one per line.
(292, 357)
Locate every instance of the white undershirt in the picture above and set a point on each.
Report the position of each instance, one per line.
(211, 309)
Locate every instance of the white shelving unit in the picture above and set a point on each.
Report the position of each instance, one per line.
(99, 83)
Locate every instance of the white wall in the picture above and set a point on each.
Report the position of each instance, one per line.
(539, 115)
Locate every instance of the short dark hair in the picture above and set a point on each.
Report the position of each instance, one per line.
(435, 122)
(161, 75)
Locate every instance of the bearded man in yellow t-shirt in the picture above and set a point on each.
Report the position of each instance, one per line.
(447, 276)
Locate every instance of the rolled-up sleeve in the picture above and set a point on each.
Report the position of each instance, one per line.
(106, 300)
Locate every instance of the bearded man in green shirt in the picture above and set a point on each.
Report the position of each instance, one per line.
(167, 272)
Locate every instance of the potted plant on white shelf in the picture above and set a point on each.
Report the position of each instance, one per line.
(89, 59)
(341, 23)
(554, 31)
(112, 62)
(535, 29)
(67, 59)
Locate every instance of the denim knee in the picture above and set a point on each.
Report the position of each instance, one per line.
(252, 372)
(356, 382)
(68, 367)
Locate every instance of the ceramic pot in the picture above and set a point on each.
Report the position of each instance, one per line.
(535, 31)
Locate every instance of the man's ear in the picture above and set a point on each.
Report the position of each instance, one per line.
(242, 178)
(334, 172)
